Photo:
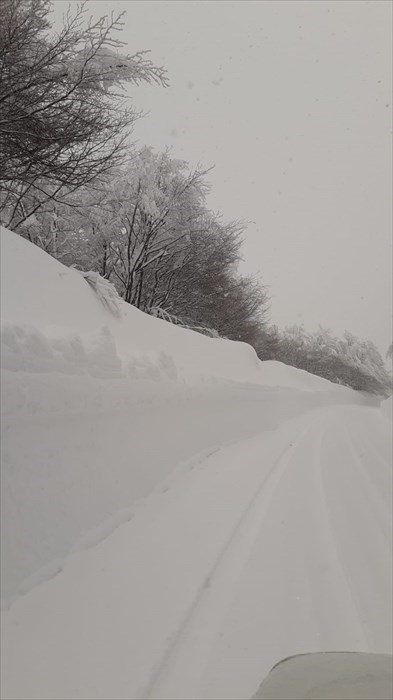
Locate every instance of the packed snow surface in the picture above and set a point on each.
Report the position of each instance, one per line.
(178, 515)
(275, 546)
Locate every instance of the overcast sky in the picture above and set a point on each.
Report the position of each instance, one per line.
(291, 101)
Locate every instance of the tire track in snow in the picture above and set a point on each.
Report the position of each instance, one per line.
(334, 587)
(185, 661)
(190, 646)
(365, 554)
(308, 585)
(379, 505)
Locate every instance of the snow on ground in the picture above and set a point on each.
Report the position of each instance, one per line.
(98, 408)
(275, 546)
(178, 515)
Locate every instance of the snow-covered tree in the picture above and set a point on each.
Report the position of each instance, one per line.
(132, 227)
(207, 288)
(348, 360)
(160, 205)
(62, 116)
(146, 228)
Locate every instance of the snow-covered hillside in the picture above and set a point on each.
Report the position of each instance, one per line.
(206, 513)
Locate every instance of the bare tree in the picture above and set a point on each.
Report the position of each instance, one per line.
(63, 120)
(207, 289)
(138, 233)
(350, 361)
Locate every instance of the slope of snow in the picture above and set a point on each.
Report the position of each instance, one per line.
(55, 322)
(99, 407)
(273, 373)
(56, 316)
(276, 546)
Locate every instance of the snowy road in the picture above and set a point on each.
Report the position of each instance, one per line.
(277, 545)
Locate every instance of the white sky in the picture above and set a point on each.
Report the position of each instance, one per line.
(291, 101)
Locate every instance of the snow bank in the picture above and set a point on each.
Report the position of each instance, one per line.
(100, 402)
(54, 320)
(273, 373)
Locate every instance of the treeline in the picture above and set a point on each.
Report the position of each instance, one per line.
(145, 227)
(73, 184)
(349, 361)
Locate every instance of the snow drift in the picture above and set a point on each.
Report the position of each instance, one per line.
(100, 402)
(53, 320)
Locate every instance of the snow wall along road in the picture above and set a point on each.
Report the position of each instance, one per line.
(101, 402)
